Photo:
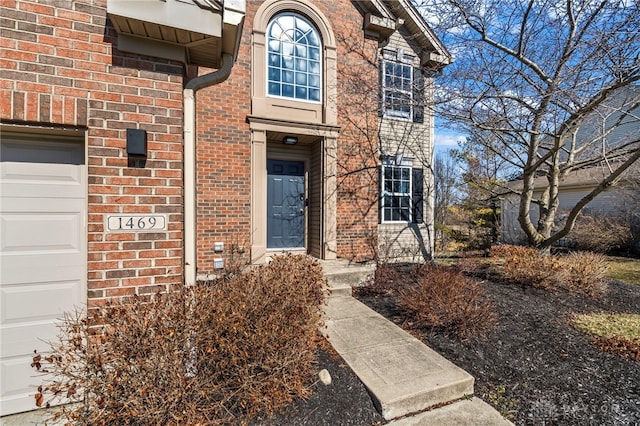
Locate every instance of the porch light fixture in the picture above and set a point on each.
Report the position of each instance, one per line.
(290, 140)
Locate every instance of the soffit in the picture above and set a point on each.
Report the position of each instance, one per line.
(434, 54)
(190, 31)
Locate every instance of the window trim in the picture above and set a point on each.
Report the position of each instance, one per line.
(397, 162)
(320, 60)
(392, 113)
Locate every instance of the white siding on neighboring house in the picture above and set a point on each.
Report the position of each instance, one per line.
(608, 202)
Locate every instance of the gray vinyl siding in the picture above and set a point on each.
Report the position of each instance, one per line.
(315, 200)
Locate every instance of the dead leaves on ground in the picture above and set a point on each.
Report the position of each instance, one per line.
(624, 348)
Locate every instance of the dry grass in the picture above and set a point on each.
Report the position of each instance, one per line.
(624, 269)
(612, 332)
(622, 326)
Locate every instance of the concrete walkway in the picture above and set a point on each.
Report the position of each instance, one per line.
(405, 378)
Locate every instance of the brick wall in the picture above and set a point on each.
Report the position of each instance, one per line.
(224, 163)
(358, 146)
(224, 145)
(59, 67)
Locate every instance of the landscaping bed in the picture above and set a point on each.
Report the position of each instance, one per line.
(533, 366)
(345, 402)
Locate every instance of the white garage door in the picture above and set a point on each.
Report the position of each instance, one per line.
(42, 253)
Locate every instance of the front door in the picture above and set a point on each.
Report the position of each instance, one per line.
(285, 204)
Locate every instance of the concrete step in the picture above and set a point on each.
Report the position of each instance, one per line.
(339, 291)
(343, 275)
(466, 412)
(402, 374)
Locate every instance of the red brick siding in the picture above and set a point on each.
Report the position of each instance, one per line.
(224, 161)
(224, 146)
(59, 66)
(357, 157)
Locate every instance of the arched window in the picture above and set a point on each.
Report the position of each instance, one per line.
(294, 59)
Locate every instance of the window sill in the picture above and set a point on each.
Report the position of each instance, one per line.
(397, 117)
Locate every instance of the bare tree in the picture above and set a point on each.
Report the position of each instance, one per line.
(446, 176)
(484, 174)
(538, 76)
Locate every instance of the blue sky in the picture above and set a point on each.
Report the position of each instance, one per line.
(446, 139)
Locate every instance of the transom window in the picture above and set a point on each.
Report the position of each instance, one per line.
(398, 89)
(396, 193)
(293, 58)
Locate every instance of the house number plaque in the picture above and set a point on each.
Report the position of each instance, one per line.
(134, 222)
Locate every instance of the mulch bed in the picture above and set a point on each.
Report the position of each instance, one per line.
(534, 367)
(345, 402)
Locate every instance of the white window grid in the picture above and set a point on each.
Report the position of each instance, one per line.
(398, 89)
(294, 59)
(396, 193)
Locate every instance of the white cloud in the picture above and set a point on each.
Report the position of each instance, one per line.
(448, 138)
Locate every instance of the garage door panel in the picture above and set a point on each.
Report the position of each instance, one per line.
(29, 317)
(43, 264)
(19, 384)
(41, 232)
(24, 180)
(24, 173)
(16, 342)
(43, 271)
(32, 302)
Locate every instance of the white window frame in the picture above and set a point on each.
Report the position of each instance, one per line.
(320, 74)
(397, 58)
(395, 163)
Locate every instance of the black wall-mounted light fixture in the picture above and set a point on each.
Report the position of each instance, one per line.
(137, 142)
(290, 140)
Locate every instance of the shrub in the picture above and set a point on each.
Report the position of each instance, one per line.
(586, 273)
(444, 297)
(383, 282)
(580, 272)
(527, 266)
(601, 233)
(212, 354)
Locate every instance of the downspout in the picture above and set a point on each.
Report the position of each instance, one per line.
(189, 95)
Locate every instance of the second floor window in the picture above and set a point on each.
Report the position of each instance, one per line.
(293, 58)
(401, 87)
(398, 89)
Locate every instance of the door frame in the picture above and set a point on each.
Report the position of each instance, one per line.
(301, 155)
(315, 140)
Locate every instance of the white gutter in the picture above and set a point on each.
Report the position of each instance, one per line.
(189, 95)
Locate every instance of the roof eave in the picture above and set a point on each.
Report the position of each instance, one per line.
(435, 55)
(178, 30)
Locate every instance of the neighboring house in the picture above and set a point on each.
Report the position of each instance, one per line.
(572, 189)
(148, 144)
(614, 125)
